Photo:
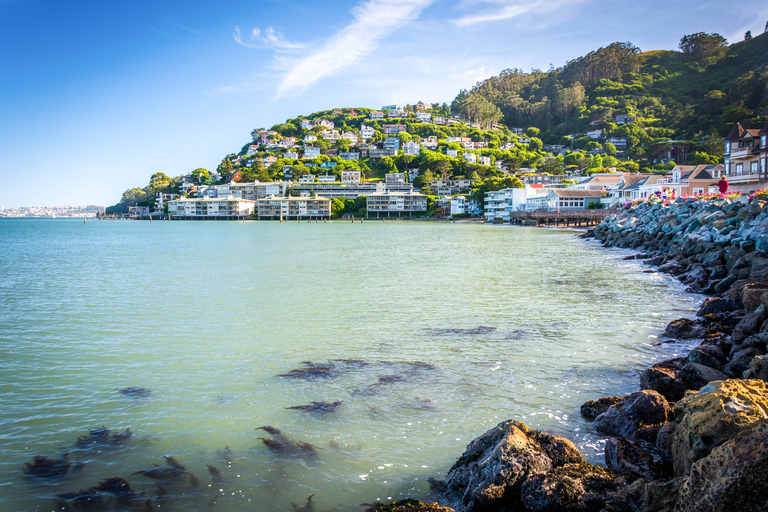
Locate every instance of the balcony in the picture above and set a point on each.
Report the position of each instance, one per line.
(740, 153)
(746, 177)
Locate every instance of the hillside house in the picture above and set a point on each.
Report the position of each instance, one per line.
(746, 158)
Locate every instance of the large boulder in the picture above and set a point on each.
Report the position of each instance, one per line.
(731, 477)
(748, 326)
(490, 473)
(758, 368)
(698, 375)
(576, 486)
(753, 295)
(740, 361)
(684, 329)
(634, 412)
(715, 305)
(708, 355)
(594, 408)
(635, 458)
(713, 416)
(665, 379)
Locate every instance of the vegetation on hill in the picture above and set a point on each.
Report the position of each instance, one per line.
(670, 107)
(693, 95)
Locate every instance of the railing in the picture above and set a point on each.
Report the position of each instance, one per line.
(563, 214)
(740, 153)
(745, 177)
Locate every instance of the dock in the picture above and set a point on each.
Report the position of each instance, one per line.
(568, 218)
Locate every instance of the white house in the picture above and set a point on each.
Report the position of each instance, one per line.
(430, 143)
(453, 153)
(310, 138)
(411, 148)
(366, 132)
(423, 117)
(350, 176)
(484, 160)
(470, 157)
(311, 152)
(594, 134)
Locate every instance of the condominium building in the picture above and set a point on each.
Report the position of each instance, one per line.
(210, 208)
(293, 208)
(396, 204)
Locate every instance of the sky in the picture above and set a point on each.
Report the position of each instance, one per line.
(96, 96)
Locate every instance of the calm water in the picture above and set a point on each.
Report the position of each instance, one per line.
(207, 315)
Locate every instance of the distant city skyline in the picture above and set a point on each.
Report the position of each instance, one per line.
(97, 96)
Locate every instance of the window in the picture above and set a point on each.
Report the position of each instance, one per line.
(698, 190)
(727, 148)
(739, 168)
(765, 140)
(727, 169)
(753, 167)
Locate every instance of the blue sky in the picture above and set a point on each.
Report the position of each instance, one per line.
(96, 96)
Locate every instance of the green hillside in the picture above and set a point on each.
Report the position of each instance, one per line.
(700, 91)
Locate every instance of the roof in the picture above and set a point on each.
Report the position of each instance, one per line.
(576, 193)
(632, 179)
(595, 180)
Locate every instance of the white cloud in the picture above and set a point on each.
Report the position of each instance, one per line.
(506, 9)
(270, 38)
(373, 21)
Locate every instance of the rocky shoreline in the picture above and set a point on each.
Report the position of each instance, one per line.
(693, 438)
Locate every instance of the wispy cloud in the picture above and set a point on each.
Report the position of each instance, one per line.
(506, 9)
(270, 38)
(372, 21)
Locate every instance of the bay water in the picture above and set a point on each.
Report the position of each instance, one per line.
(432, 334)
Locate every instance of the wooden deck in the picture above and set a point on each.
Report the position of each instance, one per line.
(573, 218)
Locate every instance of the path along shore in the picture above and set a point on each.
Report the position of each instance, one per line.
(695, 436)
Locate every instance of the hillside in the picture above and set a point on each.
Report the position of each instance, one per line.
(702, 90)
(616, 107)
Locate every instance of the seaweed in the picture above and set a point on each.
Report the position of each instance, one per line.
(47, 468)
(322, 407)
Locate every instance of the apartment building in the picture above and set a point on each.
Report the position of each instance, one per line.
(396, 204)
(210, 208)
(294, 208)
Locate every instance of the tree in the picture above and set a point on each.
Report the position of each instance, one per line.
(748, 35)
(609, 148)
(706, 49)
(536, 144)
(201, 176)
(532, 131)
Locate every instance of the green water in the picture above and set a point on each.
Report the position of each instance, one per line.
(208, 315)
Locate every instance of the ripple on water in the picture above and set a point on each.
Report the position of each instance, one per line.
(208, 315)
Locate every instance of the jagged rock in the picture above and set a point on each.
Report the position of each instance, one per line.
(698, 375)
(715, 305)
(740, 362)
(594, 408)
(759, 340)
(406, 506)
(659, 495)
(574, 486)
(624, 456)
(639, 409)
(758, 368)
(664, 440)
(707, 355)
(731, 477)
(684, 329)
(713, 416)
(490, 473)
(724, 285)
(665, 379)
(754, 294)
(748, 325)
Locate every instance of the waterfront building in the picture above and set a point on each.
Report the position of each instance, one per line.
(211, 208)
(746, 158)
(245, 190)
(396, 204)
(293, 208)
(564, 199)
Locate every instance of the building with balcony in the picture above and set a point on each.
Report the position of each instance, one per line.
(210, 208)
(350, 177)
(294, 208)
(564, 199)
(746, 158)
(395, 204)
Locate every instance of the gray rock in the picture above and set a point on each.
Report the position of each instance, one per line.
(759, 340)
(635, 411)
(631, 457)
(698, 375)
(740, 361)
(665, 379)
(748, 326)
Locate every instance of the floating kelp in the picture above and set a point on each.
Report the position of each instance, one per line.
(172, 470)
(313, 371)
(214, 472)
(135, 391)
(51, 469)
(281, 443)
(321, 407)
(308, 506)
(102, 437)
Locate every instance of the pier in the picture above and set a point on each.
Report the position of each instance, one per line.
(568, 218)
